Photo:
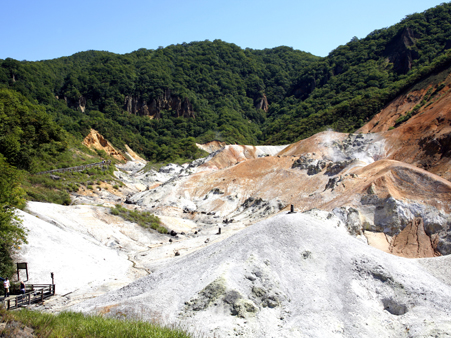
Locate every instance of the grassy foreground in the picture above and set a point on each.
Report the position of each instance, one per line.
(78, 325)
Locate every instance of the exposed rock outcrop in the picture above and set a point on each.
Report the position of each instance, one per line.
(262, 103)
(400, 51)
(134, 155)
(15, 329)
(304, 88)
(97, 141)
(79, 103)
(313, 166)
(414, 242)
(167, 101)
(424, 139)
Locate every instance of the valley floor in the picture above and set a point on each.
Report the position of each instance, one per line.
(238, 257)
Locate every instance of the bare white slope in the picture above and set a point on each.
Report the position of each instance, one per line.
(78, 262)
(89, 250)
(293, 275)
(97, 225)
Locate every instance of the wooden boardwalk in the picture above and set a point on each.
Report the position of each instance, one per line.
(78, 168)
(35, 293)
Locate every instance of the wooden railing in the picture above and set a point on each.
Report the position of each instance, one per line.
(35, 293)
(78, 168)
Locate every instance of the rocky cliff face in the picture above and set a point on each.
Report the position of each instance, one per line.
(414, 242)
(168, 101)
(79, 103)
(400, 51)
(262, 103)
(97, 141)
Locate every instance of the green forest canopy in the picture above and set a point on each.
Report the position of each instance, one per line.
(246, 96)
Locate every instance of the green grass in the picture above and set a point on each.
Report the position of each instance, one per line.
(78, 325)
(43, 188)
(143, 218)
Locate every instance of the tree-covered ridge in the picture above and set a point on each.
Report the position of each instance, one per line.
(27, 132)
(353, 83)
(224, 84)
(246, 96)
(12, 234)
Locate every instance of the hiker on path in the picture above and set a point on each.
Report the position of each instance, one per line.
(22, 287)
(6, 287)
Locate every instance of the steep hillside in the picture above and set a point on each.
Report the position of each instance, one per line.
(161, 102)
(356, 80)
(154, 99)
(422, 119)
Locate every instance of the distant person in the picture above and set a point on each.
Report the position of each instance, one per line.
(22, 287)
(6, 287)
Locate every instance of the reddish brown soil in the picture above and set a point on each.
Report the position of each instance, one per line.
(413, 242)
(231, 155)
(425, 139)
(211, 146)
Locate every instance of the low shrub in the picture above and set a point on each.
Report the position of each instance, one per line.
(143, 218)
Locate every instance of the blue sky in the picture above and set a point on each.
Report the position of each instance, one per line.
(37, 30)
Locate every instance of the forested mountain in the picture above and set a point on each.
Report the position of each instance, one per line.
(153, 99)
(350, 85)
(162, 101)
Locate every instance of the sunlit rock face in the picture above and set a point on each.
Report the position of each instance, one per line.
(179, 107)
(96, 141)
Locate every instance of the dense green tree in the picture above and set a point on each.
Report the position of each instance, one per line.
(301, 94)
(27, 131)
(12, 234)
